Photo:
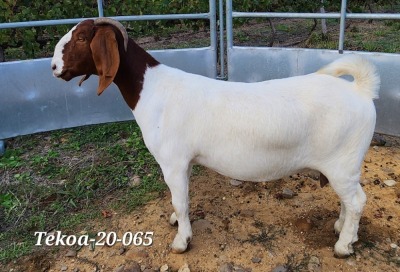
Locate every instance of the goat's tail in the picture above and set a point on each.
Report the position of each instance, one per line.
(366, 77)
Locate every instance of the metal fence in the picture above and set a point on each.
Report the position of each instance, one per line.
(250, 64)
(32, 100)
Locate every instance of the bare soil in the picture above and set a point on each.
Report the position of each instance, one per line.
(253, 226)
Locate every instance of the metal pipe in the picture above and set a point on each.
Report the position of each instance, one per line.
(229, 25)
(342, 25)
(381, 16)
(2, 147)
(100, 8)
(221, 40)
(213, 31)
(118, 18)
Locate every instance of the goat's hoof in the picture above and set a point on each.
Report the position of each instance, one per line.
(343, 251)
(173, 220)
(177, 251)
(180, 245)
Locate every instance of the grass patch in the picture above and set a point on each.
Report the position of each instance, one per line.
(60, 180)
(266, 236)
(297, 264)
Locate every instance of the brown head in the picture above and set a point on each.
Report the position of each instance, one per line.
(91, 47)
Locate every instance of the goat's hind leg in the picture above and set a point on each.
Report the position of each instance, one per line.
(177, 180)
(353, 200)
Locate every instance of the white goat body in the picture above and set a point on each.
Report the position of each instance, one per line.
(255, 131)
(262, 131)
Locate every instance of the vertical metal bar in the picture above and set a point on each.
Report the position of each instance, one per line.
(2, 147)
(213, 30)
(229, 34)
(221, 40)
(342, 25)
(2, 143)
(100, 8)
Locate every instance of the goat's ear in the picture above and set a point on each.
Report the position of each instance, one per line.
(105, 54)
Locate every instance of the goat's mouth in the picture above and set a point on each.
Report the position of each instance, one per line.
(60, 75)
(65, 75)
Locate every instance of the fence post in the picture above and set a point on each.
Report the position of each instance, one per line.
(342, 25)
(100, 8)
(221, 40)
(2, 143)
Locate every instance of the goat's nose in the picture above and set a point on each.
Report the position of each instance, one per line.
(54, 67)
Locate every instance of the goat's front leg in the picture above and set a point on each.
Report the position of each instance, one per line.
(178, 182)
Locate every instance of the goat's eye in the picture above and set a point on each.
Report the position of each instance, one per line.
(81, 38)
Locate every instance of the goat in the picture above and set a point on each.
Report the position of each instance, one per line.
(248, 131)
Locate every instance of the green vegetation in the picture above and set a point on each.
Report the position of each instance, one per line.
(36, 42)
(59, 180)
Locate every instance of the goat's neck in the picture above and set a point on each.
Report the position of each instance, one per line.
(130, 76)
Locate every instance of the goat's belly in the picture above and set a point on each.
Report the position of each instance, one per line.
(255, 166)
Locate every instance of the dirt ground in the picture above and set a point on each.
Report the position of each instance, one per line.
(284, 225)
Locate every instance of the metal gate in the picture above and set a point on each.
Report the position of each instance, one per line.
(32, 100)
(250, 64)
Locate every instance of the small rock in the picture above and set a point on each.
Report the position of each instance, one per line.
(351, 262)
(390, 182)
(307, 196)
(314, 264)
(287, 193)
(226, 267)
(238, 268)
(393, 246)
(365, 182)
(119, 268)
(376, 148)
(71, 253)
(256, 260)
(64, 268)
(76, 270)
(149, 270)
(235, 182)
(164, 268)
(280, 268)
(132, 267)
(378, 140)
(247, 213)
(184, 268)
(396, 260)
(135, 181)
(122, 250)
(367, 160)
